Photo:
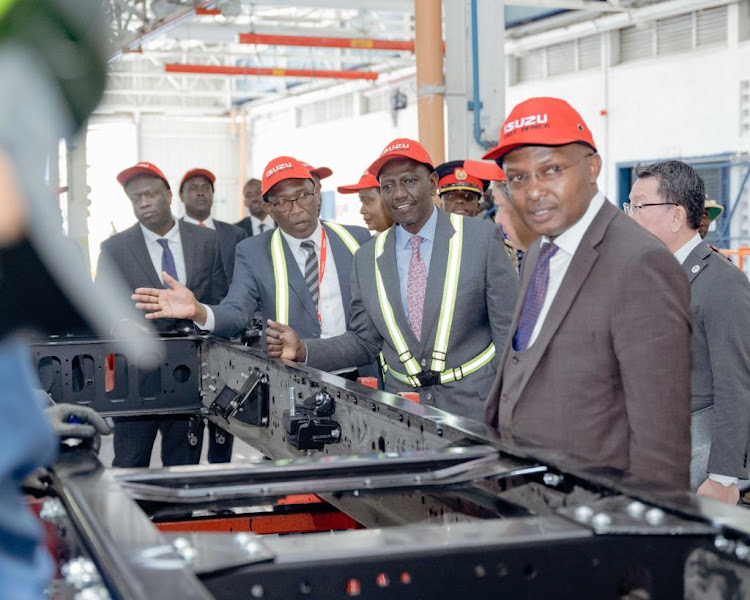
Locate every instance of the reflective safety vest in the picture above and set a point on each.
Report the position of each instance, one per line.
(438, 374)
(279, 266)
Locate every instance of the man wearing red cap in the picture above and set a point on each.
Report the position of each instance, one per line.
(197, 194)
(372, 211)
(318, 173)
(434, 293)
(297, 274)
(258, 220)
(598, 361)
(156, 250)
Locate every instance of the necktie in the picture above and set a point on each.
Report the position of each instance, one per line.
(534, 300)
(202, 224)
(262, 227)
(416, 286)
(311, 271)
(167, 259)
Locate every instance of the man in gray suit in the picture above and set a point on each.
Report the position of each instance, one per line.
(197, 194)
(598, 365)
(158, 244)
(668, 199)
(434, 294)
(298, 273)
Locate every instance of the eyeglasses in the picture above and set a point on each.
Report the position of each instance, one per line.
(285, 205)
(549, 173)
(632, 209)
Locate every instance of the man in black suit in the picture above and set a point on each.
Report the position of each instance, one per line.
(197, 194)
(158, 244)
(259, 220)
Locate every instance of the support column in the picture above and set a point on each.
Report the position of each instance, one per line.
(430, 85)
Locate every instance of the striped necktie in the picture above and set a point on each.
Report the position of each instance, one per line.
(536, 293)
(311, 271)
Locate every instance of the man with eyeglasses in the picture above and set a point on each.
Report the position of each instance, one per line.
(667, 199)
(156, 250)
(297, 274)
(431, 295)
(597, 365)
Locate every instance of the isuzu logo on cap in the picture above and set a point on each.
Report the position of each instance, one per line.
(277, 168)
(531, 120)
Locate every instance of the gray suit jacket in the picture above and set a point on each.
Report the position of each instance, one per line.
(607, 380)
(487, 291)
(720, 365)
(229, 236)
(254, 288)
(203, 265)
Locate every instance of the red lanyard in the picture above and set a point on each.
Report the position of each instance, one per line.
(321, 268)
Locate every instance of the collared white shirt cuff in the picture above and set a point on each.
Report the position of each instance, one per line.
(724, 480)
(210, 320)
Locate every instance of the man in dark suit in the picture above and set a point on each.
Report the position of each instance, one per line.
(298, 274)
(258, 221)
(668, 200)
(179, 251)
(197, 194)
(598, 361)
(435, 293)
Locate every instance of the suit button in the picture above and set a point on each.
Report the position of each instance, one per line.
(429, 396)
(514, 360)
(504, 397)
(424, 362)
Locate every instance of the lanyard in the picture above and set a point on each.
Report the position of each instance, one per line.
(321, 268)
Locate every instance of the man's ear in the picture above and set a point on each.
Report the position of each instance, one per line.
(679, 218)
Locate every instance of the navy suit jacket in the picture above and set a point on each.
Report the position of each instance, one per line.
(254, 288)
(229, 236)
(203, 265)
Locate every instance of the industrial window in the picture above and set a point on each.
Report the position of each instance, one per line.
(559, 59)
(711, 26)
(674, 34)
(636, 42)
(744, 107)
(531, 66)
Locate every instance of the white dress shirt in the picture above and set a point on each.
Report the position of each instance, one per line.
(681, 255)
(156, 251)
(208, 222)
(331, 306)
(567, 243)
(267, 222)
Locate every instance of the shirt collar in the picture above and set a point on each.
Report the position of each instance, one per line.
(427, 232)
(570, 239)
(267, 221)
(209, 222)
(173, 235)
(682, 254)
(295, 243)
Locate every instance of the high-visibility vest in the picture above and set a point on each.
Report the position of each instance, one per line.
(279, 266)
(447, 307)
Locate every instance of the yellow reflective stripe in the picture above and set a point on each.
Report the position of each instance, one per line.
(280, 278)
(412, 366)
(450, 375)
(5, 6)
(450, 289)
(345, 236)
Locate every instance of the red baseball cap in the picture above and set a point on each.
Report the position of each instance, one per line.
(486, 171)
(195, 172)
(365, 182)
(453, 176)
(141, 168)
(280, 169)
(401, 148)
(541, 122)
(319, 172)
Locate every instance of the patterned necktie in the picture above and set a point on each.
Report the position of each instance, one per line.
(202, 224)
(311, 271)
(416, 286)
(534, 300)
(167, 259)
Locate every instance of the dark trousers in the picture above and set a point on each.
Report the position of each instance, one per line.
(134, 441)
(220, 444)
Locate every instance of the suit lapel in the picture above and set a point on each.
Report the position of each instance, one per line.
(343, 260)
(696, 261)
(188, 252)
(580, 266)
(436, 279)
(389, 273)
(296, 280)
(142, 257)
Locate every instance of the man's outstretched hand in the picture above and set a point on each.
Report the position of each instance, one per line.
(174, 302)
(283, 342)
